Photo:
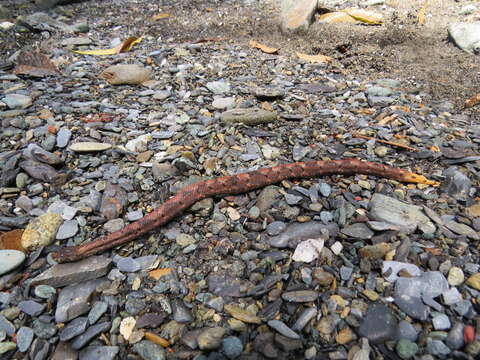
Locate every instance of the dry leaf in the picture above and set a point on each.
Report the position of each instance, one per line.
(352, 16)
(123, 47)
(264, 48)
(337, 17)
(34, 64)
(158, 273)
(12, 240)
(474, 100)
(157, 339)
(315, 58)
(421, 13)
(365, 16)
(161, 16)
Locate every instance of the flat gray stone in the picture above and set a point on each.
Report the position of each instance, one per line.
(71, 273)
(74, 300)
(99, 353)
(82, 340)
(297, 232)
(379, 324)
(24, 338)
(10, 259)
(407, 217)
(17, 101)
(358, 231)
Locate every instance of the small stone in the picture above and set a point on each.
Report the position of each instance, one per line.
(128, 264)
(17, 101)
(218, 87)
(67, 230)
(63, 137)
(324, 278)
(125, 74)
(455, 276)
(83, 147)
(7, 346)
(98, 353)
(232, 347)
(114, 225)
(308, 250)
(407, 331)
(10, 260)
(41, 231)
(371, 295)
(437, 348)
(44, 330)
(406, 217)
(96, 312)
(74, 299)
(223, 103)
(148, 350)
(211, 338)
(250, 116)
(6, 326)
(358, 231)
(127, 326)
(381, 151)
(377, 251)
(455, 337)
(24, 338)
(283, 329)
(441, 322)
(184, 240)
(297, 15)
(82, 340)
(345, 336)
(31, 307)
(74, 328)
(242, 314)
(379, 324)
(71, 273)
(406, 349)
(474, 281)
(300, 296)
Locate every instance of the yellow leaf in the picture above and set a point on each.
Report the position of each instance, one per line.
(264, 48)
(421, 13)
(336, 17)
(158, 273)
(315, 58)
(123, 47)
(157, 339)
(161, 16)
(364, 16)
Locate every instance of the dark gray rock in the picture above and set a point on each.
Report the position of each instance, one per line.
(82, 340)
(379, 324)
(60, 275)
(74, 328)
(99, 353)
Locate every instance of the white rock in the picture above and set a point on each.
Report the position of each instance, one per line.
(308, 250)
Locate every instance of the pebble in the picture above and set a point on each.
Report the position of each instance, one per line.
(379, 324)
(211, 338)
(10, 260)
(232, 347)
(283, 329)
(148, 350)
(17, 101)
(99, 352)
(24, 338)
(31, 307)
(83, 339)
(85, 147)
(67, 230)
(41, 231)
(406, 349)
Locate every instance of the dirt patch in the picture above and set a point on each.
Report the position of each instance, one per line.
(420, 56)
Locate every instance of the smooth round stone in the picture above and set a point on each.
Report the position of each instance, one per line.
(89, 147)
(223, 103)
(63, 137)
(232, 347)
(455, 276)
(10, 259)
(406, 349)
(45, 291)
(128, 264)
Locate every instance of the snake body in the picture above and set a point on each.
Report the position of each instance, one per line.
(230, 185)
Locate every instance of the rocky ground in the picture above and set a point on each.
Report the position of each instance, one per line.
(331, 268)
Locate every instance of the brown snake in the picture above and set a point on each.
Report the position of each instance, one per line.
(229, 185)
